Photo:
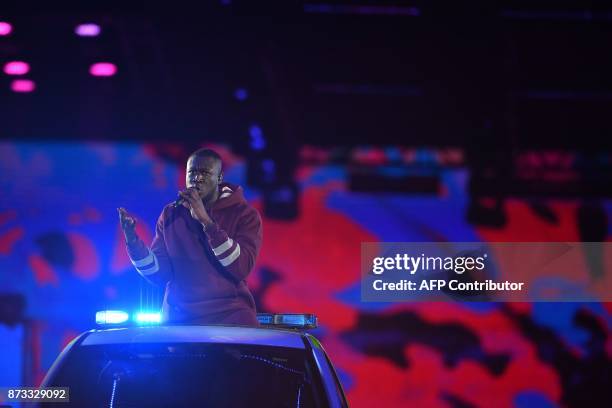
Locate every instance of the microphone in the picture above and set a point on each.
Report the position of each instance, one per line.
(178, 202)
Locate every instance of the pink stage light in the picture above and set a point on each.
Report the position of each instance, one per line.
(5, 28)
(23, 85)
(103, 69)
(16, 68)
(87, 30)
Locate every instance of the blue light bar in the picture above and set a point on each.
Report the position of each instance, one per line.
(288, 320)
(111, 317)
(147, 318)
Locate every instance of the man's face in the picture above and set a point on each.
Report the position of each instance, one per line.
(203, 173)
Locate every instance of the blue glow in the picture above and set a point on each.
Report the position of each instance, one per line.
(241, 94)
(284, 194)
(295, 320)
(272, 363)
(265, 319)
(111, 317)
(394, 154)
(532, 399)
(258, 142)
(148, 317)
(112, 400)
(269, 169)
(268, 165)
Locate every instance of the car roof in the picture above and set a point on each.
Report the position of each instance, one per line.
(196, 334)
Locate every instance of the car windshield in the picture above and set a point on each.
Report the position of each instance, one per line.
(189, 375)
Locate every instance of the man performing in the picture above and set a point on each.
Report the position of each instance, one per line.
(205, 245)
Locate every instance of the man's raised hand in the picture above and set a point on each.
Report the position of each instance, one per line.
(128, 224)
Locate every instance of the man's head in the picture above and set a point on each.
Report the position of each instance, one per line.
(204, 172)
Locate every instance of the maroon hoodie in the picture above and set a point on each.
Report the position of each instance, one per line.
(204, 271)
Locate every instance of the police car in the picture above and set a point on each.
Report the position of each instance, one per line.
(152, 365)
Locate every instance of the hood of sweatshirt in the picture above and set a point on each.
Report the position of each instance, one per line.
(229, 195)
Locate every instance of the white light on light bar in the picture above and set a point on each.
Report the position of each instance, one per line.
(148, 317)
(111, 317)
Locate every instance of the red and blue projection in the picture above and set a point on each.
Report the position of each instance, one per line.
(62, 249)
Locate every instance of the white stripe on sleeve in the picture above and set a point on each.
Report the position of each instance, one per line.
(146, 266)
(147, 260)
(223, 247)
(149, 271)
(231, 257)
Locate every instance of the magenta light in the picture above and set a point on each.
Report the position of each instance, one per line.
(16, 68)
(23, 85)
(87, 30)
(5, 28)
(103, 69)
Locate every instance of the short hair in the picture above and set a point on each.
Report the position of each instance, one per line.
(203, 152)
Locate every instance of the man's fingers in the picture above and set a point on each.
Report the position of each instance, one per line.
(191, 190)
(125, 218)
(186, 195)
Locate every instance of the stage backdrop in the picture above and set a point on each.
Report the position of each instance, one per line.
(61, 247)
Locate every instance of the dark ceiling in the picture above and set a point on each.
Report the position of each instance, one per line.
(495, 75)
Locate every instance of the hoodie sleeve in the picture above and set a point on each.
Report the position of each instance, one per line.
(152, 263)
(238, 253)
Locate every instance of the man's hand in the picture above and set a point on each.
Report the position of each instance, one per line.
(196, 206)
(128, 224)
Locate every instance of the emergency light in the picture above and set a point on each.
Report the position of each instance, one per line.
(288, 320)
(144, 317)
(111, 317)
(120, 317)
(279, 320)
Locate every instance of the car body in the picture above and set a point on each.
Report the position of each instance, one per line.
(192, 366)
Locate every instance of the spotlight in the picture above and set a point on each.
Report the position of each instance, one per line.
(87, 30)
(5, 28)
(103, 69)
(23, 85)
(16, 68)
